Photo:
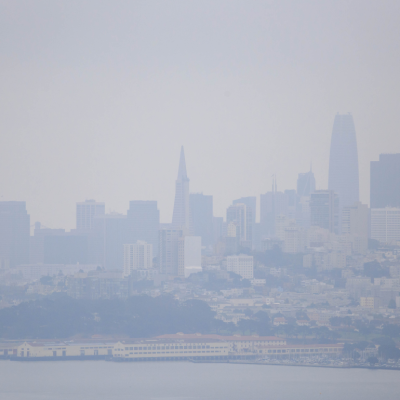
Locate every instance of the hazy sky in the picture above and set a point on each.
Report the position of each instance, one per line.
(98, 96)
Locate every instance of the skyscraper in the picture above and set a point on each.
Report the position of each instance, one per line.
(251, 204)
(343, 161)
(241, 217)
(305, 184)
(201, 209)
(168, 250)
(143, 223)
(324, 210)
(14, 234)
(385, 181)
(181, 214)
(86, 211)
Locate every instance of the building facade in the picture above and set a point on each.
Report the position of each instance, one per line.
(343, 161)
(137, 256)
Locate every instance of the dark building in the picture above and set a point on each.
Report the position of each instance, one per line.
(65, 249)
(143, 223)
(251, 208)
(36, 247)
(201, 208)
(343, 161)
(385, 181)
(111, 234)
(14, 234)
(305, 184)
(324, 210)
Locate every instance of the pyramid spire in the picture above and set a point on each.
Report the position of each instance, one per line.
(182, 166)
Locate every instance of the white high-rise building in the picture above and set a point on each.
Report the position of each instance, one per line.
(385, 224)
(241, 264)
(137, 256)
(190, 256)
(86, 211)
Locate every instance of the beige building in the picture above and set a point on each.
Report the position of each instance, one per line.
(367, 302)
(241, 264)
(237, 343)
(301, 350)
(170, 349)
(62, 349)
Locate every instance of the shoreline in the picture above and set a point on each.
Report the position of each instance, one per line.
(59, 359)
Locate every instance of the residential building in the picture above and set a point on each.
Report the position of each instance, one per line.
(137, 256)
(241, 264)
(385, 224)
(169, 245)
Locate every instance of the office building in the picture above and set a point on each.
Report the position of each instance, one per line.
(189, 255)
(181, 213)
(385, 225)
(65, 249)
(276, 203)
(143, 223)
(14, 234)
(86, 211)
(201, 208)
(324, 210)
(385, 181)
(242, 218)
(251, 208)
(305, 184)
(241, 264)
(168, 250)
(111, 235)
(343, 161)
(137, 256)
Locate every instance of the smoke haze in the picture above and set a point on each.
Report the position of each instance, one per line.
(98, 97)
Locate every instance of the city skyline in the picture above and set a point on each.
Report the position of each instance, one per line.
(97, 107)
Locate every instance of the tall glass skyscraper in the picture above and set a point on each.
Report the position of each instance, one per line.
(343, 161)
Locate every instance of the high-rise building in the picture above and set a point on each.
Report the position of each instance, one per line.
(242, 218)
(305, 184)
(251, 204)
(143, 222)
(14, 234)
(168, 250)
(181, 214)
(111, 234)
(65, 249)
(201, 208)
(385, 181)
(137, 256)
(273, 204)
(241, 264)
(385, 224)
(355, 224)
(355, 220)
(343, 161)
(86, 211)
(189, 255)
(324, 210)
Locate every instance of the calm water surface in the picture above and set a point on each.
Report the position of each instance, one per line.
(100, 380)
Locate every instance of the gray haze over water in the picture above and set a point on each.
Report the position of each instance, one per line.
(97, 97)
(180, 380)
